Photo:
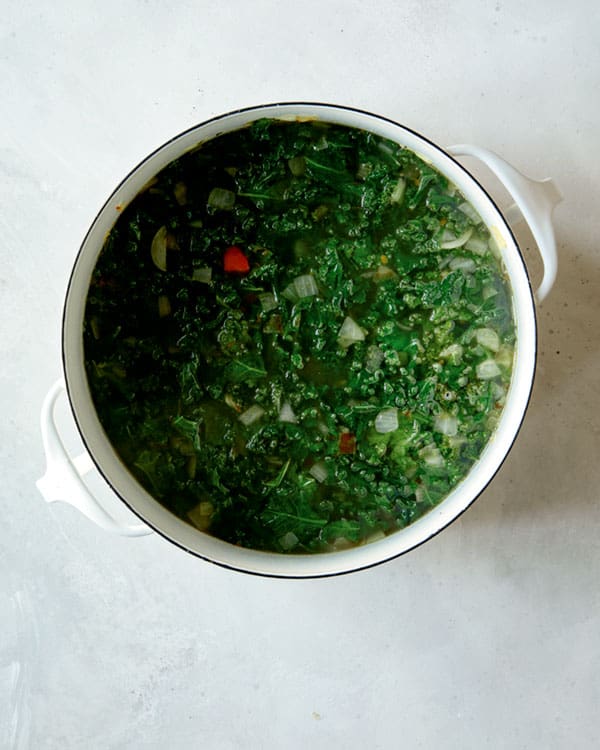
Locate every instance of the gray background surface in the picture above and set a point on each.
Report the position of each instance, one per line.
(487, 636)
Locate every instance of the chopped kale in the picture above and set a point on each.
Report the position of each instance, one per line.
(296, 339)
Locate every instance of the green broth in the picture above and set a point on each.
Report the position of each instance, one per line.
(299, 337)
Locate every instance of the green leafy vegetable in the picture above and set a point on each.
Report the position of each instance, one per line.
(335, 382)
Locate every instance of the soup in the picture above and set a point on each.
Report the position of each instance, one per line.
(299, 337)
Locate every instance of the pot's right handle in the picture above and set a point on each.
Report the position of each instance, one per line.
(534, 199)
(63, 481)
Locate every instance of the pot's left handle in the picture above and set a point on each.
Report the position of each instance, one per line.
(63, 481)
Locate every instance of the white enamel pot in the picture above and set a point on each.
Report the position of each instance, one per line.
(64, 478)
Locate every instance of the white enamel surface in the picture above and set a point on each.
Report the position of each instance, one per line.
(486, 636)
(299, 565)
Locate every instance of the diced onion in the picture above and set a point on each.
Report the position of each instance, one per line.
(386, 420)
(286, 414)
(201, 515)
(462, 264)
(164, 306)
(431, 455)
(323, 429)
(477, 245)
(251, 415)
(341, 542)
(95, 326)
(505, 356)
(364, 170)
(451, 244)
(384, 272)
(289, 540)
(456, 441)
(290, 293)
(350, 333)
(487, 369)
(447, 424)
(158, 249)
(453, 353)
(221, 198)
(498, 392)
(203, 275)
(489, 338)
(297, 165)
(267, 301)
(230, 401)
(489, 291)
(470, 212)
(319, 471)
(306, 286)
(420, 493)
(374, 358)
(398, 191)
(180, 193)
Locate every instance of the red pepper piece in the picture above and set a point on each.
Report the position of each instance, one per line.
(234, 261)
(347, 442)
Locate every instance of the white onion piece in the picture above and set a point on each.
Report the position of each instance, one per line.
(384, 272)
(221, 198)
(489, 338)
(374, 358)
(158, 249)
(398, 191)
(453, 353)
(289, 540)
(251, 415)
(201, 515)
(267, 301)
(498, 392)
(306, 286)
(505, 356)
(487, 370)
(164, 306)
(477, 245)
(350, 333)
(290, 293)
(319, 471)
(470, 212)
(297, 165)
(456, 441)
(203, 275)
(286, 414)
(386, 420)
(451, 244)
(446, 424)
(432, 456)
(462, 264)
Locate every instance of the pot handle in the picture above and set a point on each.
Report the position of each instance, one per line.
(534, 201)
(63, 481)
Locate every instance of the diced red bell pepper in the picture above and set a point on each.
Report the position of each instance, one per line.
(234, 261)
(347, 442)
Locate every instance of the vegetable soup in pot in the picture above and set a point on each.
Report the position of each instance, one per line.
(299, 336)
